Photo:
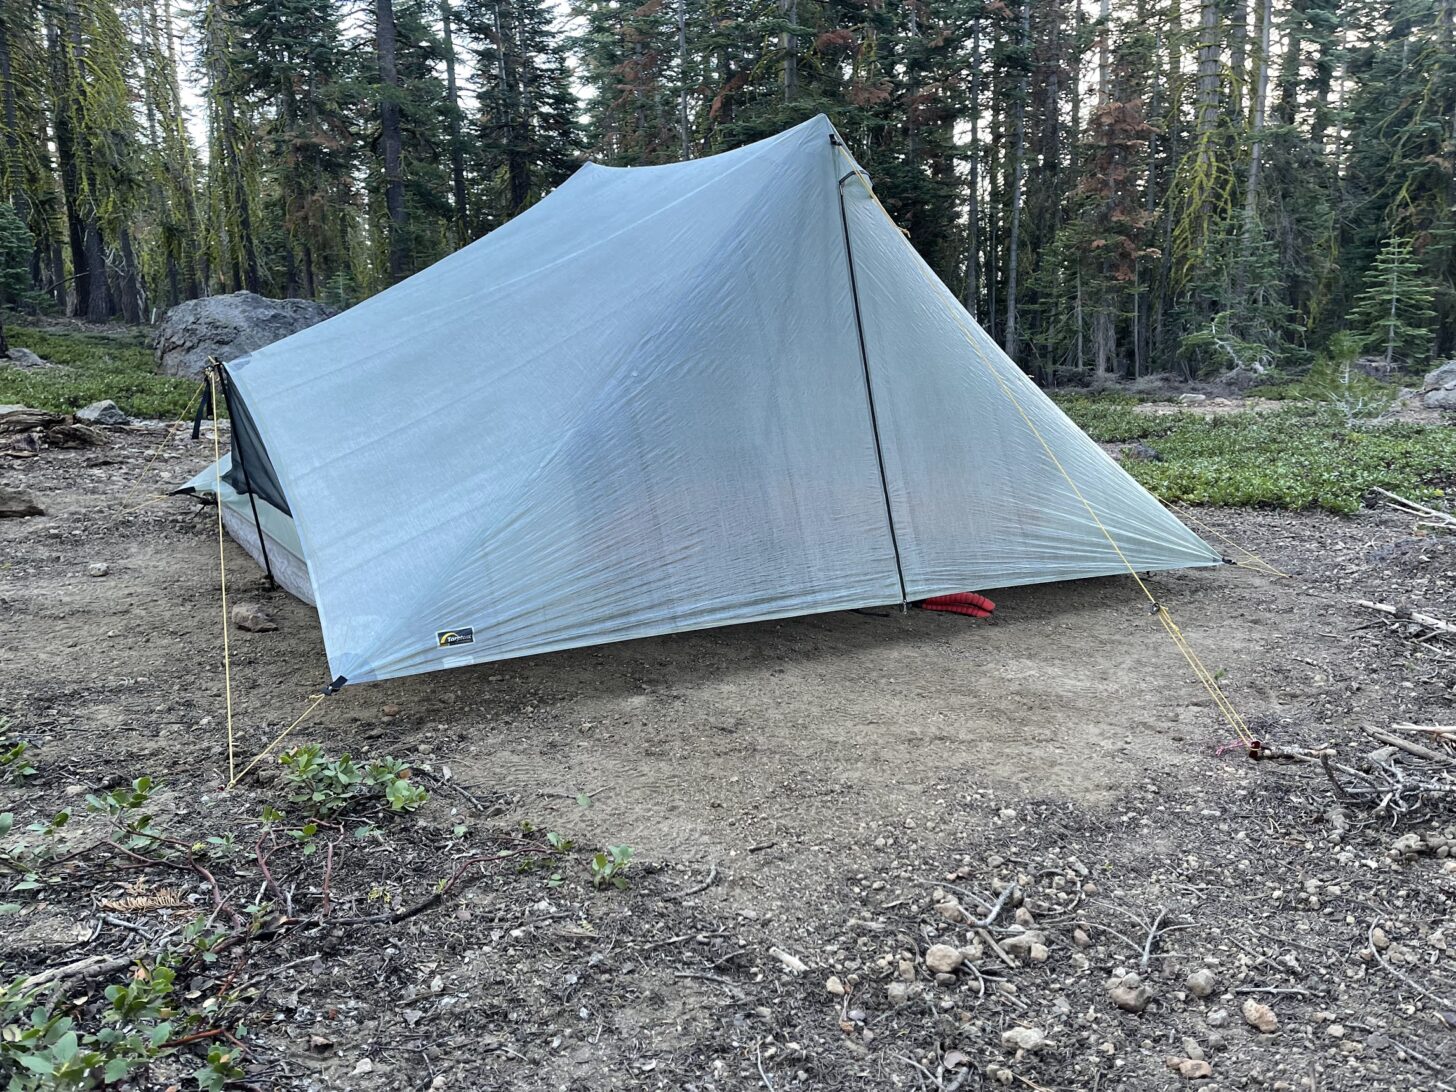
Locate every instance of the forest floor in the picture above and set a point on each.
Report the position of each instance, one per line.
(815, 808)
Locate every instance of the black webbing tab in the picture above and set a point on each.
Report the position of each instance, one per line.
(335, 686)
(202, 409)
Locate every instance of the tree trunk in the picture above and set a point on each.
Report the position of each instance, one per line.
(1018, 173)
(1251, 188)
(682, 76)
(457, 141)
(385, 33)
(790, 43)
(972, 293)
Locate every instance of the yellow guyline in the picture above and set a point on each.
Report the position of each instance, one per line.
(279, 738)
(227, 660)
(1204, 676)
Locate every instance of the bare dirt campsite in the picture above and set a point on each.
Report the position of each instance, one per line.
(868, 849)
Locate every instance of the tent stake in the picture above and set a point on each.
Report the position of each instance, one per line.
(864, 359)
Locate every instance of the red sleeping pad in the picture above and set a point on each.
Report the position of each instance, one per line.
(965, 602)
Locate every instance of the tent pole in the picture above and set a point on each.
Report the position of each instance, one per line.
(252, 499)
(864, 359)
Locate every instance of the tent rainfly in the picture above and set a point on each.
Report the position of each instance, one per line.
(662, 399)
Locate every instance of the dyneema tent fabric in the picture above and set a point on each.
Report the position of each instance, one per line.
(658, 401)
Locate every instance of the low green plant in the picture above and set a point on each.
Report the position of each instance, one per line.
(1112, 419)
(610, 867)
(15, 767)
(44, 1045)
(326, 787)
(93, 366)
(1317, 454)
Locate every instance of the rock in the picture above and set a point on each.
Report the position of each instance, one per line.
(390, 711)
(227, 327)
(15, 504)
(320, 1044)
(834, 986)
(1141, 453)
(1201, 983)
(1260, 1016)
(1039, 953)
(1021, 944)
(1129, 994)
(943, 959)
(1080, 938)
(1027, 1039)
(1191, 1069)
(97, 568)
(899, 992)
(253, 618)
(1218, 1018)
(102, 413)
(1439, 389)
(1379, 939)
(24, 358)
(364, 1066)
(1335, 1031)
(1191, 399)
(950, 910)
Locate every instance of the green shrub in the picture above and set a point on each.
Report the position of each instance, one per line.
(93, 367)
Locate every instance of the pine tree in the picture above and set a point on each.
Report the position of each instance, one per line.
(1394, 312)
(528, 137)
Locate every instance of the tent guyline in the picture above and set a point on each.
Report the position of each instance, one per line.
(665, 431)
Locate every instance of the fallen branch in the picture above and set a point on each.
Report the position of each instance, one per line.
(792, 962)
(712, 875)
(1405, 614)
(90, 967)
(1407, 746)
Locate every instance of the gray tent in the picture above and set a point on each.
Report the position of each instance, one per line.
(662, 399)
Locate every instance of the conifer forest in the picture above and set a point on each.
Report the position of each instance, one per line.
(1114, 189)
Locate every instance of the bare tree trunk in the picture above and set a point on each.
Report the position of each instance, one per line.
(682, 75)
(457, 142)
(1018, 173)
(389, 136)
(972, 293)
(1251, 189)
(790, 44)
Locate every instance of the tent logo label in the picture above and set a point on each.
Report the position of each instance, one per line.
(448, 638)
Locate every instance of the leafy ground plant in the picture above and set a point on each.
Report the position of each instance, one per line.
(15, 766)
(1296, 458)
(610, 867)
(327, 786)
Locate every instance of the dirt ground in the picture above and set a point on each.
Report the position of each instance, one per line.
(824, 787)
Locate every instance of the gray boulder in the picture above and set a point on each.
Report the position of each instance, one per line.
(24, 358)
(227, 327)
(1440, 388)
(102, 413)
